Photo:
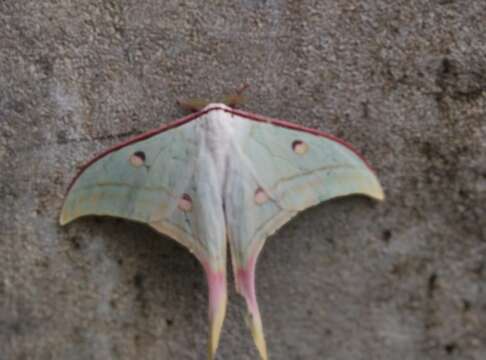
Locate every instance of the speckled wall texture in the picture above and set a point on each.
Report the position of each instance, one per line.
(404, 81)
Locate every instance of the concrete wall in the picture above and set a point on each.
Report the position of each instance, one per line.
(404, 81)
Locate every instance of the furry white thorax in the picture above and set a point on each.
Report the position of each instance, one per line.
(219, 135)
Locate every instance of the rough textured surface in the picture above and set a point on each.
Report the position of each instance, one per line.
(404, 81)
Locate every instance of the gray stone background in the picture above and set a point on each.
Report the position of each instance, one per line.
(404, 81)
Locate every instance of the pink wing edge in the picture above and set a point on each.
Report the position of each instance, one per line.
(196, 115)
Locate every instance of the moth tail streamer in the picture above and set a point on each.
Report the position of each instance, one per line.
(217, 307)
(245, 285)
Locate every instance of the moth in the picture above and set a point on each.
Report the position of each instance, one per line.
(216, 177)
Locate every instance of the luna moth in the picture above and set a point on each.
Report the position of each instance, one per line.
(216, 177)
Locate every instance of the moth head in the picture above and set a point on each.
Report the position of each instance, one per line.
(234, 100)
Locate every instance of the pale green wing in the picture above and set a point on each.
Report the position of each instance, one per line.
(158, 181)
(278, 172)
(274, 173)
(168, 180)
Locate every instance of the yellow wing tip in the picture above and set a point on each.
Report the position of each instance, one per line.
(63, 220)
(217, 308)
(378, 193)
(65, 217)
(258, 336)
(216, 324)
(373, 188)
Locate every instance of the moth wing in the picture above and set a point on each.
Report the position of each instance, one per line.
(277, 171)
(166, 180)
(152, 181)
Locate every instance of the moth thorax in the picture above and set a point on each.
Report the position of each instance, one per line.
(212, 144)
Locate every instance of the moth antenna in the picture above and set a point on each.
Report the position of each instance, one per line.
(237, 98)
(242, 89)
(192, 105)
